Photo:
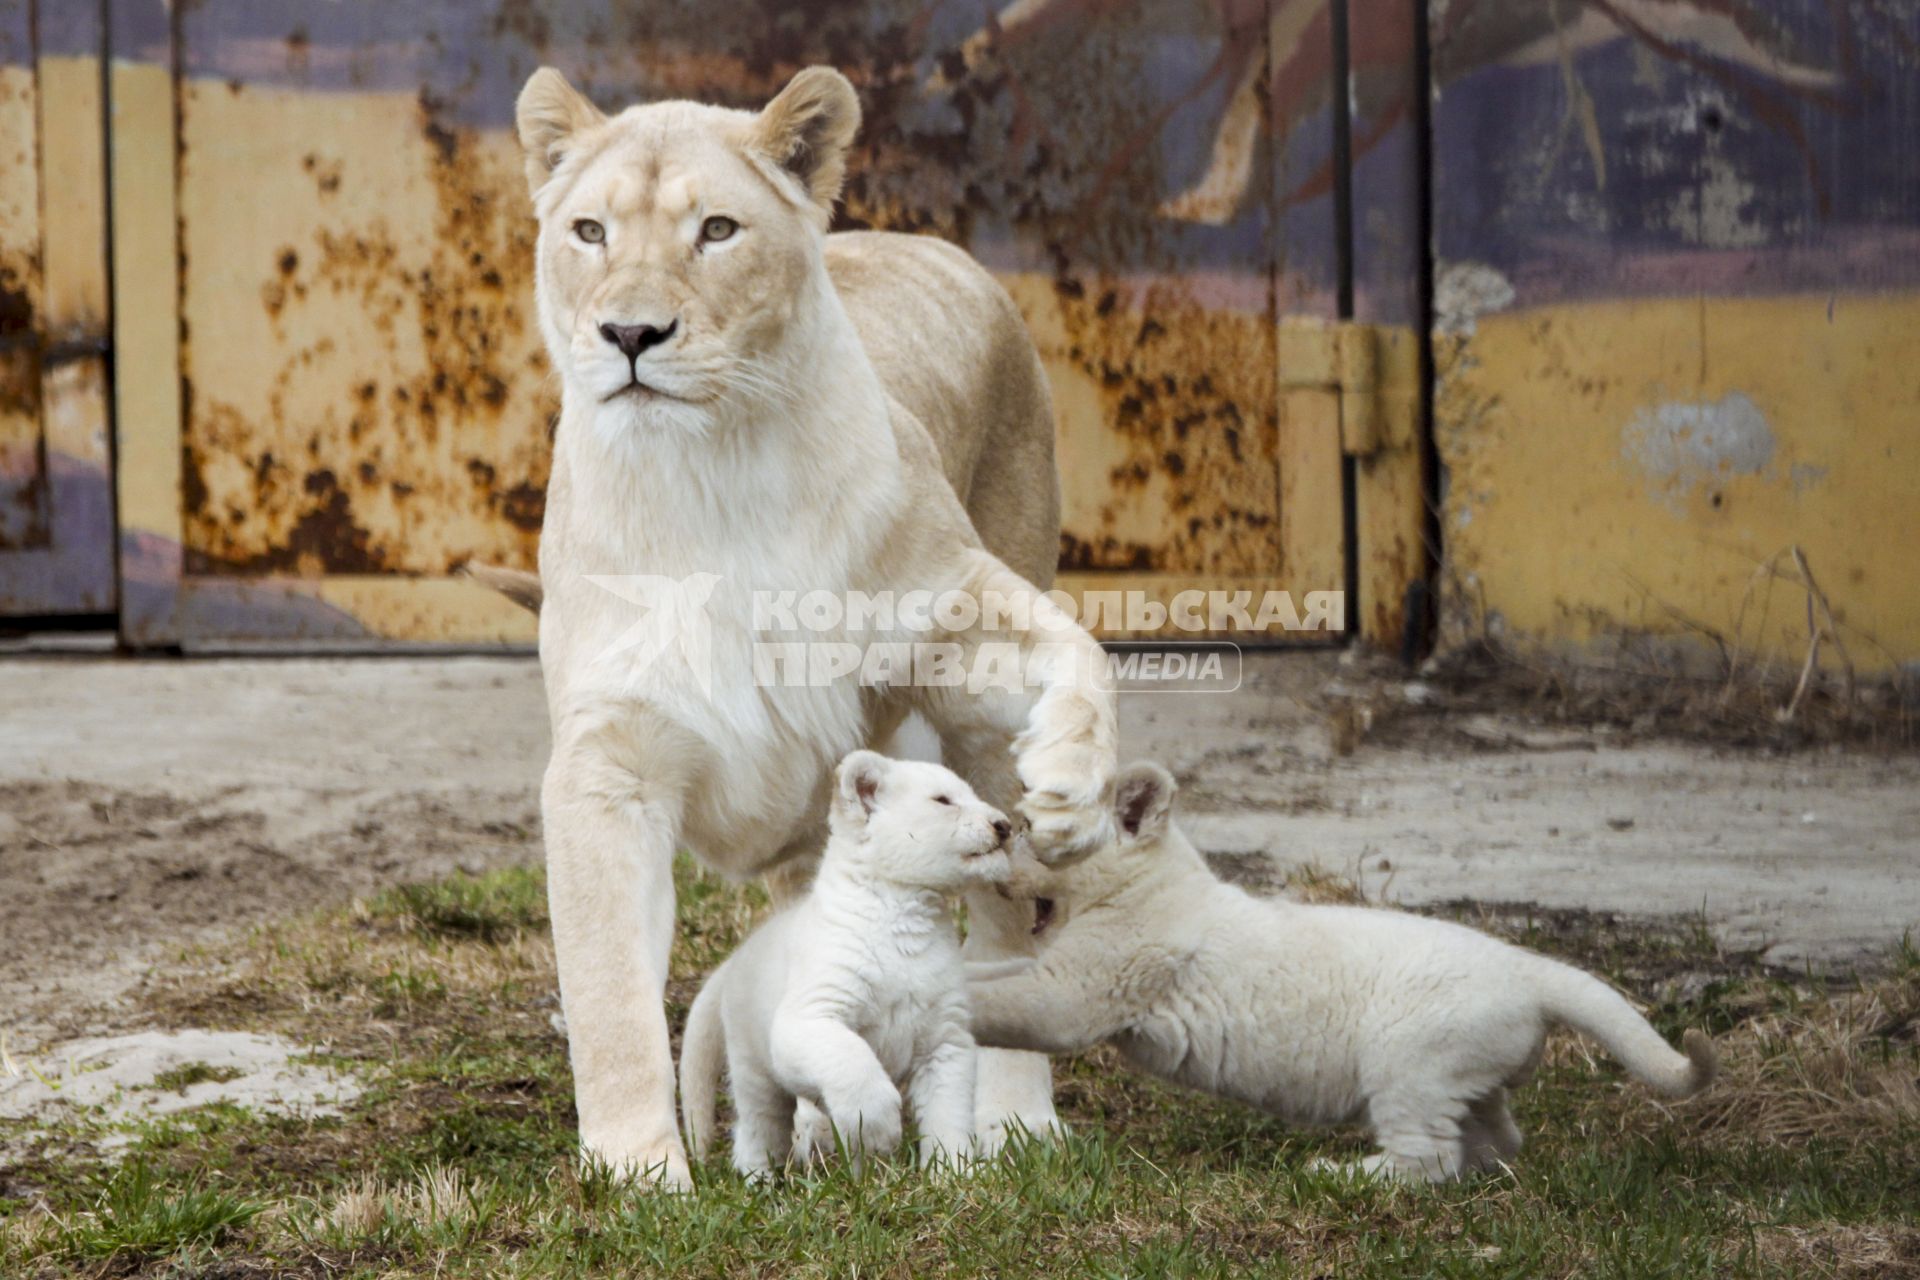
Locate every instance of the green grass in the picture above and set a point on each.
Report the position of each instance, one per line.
(183, 1077)
(135, 1213)
(457, 1160)
(486, 908)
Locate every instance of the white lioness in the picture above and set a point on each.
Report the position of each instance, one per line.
(753, 409)
(1319, 1014)
(855, 991)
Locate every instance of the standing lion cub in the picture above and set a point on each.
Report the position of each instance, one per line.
(857, 989)
(1319, 1014)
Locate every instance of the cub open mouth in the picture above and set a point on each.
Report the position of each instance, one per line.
(1042, 915)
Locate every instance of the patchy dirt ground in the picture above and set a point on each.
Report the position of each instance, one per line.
(148, 805)
(1810, 855)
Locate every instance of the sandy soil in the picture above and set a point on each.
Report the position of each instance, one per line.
(149, 805)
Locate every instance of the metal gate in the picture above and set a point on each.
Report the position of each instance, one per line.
(331, 391)
(56, 484)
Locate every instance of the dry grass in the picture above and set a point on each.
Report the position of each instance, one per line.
(1693, 680)
(1839, 1067)
(1644, 694)
(1881, 1252)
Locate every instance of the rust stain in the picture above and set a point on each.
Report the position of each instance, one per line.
(347, 496)
(24, 508)
(1109, 553)
(1027, 131)
(25, 514)
(16, 305)
(326, 174)
(1189, 397)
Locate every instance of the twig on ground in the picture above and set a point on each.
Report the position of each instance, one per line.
(1819, 627)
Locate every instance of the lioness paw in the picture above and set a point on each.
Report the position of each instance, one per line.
(1068, 793)
(662, 1170)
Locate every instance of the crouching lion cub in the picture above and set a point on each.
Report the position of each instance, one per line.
(857, 989)
(1319, 1014)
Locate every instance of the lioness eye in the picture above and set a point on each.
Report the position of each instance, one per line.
(589, 231)
(714, 230)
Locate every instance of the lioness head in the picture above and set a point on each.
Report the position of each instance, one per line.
(916, 824)
(679, 242)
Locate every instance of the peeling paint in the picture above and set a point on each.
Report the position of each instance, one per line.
(1719, 213)
(1681, 444)
(1465, 291)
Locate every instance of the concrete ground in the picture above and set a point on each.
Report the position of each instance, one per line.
(149, 805)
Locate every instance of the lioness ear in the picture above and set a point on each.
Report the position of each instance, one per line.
(550, 112)
(807, 129)
(1142, 795)
(859, 778)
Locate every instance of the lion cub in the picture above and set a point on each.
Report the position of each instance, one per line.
(1319, 1014)
(855, 991)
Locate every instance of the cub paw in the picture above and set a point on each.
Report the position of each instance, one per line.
(871, 1125)
(812, 1134)
(955, 1158)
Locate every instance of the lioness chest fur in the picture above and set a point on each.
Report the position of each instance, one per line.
(1319, 1014)
(856, 991)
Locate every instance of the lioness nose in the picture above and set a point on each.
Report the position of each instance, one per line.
(632, 339)
(1002, 828)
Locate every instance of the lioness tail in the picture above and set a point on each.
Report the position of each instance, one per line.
(517, 585)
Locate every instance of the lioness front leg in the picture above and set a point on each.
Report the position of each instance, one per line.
(611, 831)
(1034, 681)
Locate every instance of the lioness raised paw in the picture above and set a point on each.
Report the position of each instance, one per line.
(1068, 801)
(1066, 763)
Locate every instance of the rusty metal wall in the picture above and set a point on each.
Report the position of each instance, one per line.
(23, 505)
(56, 489)
(362, 402)
(1675, 268)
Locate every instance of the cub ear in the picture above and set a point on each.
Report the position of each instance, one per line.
(858, 785)
(807, 129)
(1142, 796)
(549, 113)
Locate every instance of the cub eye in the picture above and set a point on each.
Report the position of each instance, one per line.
(589, 231)
(942, 800)
(714, 230)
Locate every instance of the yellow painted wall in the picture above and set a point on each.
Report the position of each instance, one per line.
(1620, 470)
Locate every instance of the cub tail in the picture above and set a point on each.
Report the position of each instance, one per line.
(701, 1053)
(1589, 1005)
